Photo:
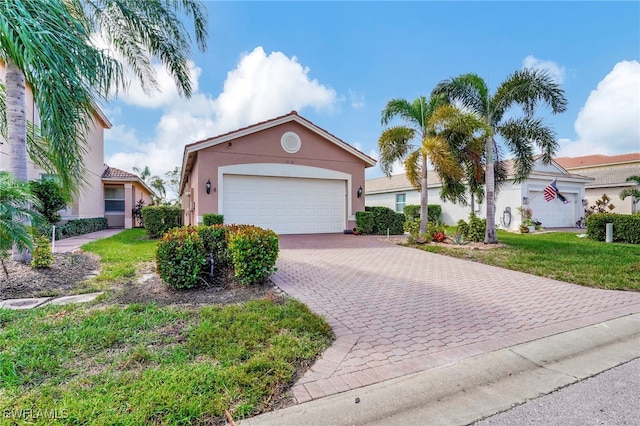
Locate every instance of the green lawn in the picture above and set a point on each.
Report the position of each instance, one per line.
(561, 256)
(144, 364)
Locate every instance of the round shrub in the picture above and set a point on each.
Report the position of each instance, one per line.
(180, 257)
(477, 228)
(254, 252)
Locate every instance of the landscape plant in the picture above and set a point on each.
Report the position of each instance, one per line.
(42, 257)
(209, 219)
(52, 199)
(254, 252)
(634, 193)
(525, 89)
(180, 257)
(364, 221)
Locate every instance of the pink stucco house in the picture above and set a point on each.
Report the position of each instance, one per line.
(104, 189)
(284, 174)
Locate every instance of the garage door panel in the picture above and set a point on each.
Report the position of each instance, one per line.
(553, 214)
(285, 205)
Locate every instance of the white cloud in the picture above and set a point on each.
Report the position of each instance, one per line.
(555, 71)
(609, 121)
(260, 87)
(357, 100)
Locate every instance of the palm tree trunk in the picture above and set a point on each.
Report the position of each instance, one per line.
(473, 201)
(490, 234)
(424, 198)
(17, 130)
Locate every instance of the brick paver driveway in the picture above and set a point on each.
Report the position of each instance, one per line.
(397, 310)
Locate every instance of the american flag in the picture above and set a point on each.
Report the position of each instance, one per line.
(551, 191)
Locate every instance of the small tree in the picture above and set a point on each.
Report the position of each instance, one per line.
(634, 193)
(603, 205)
(51, 197)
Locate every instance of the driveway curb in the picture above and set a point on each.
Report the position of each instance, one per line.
(477, 387)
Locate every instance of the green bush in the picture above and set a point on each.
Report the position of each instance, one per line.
(254, 252)
(81, 226)
(412, 227)
(51, 197)
(411, 211)
(434, 212)
(159, 219)
(477, 228)
(180, 257)
(215, 239)
(626, 228)
(364, 220)
(46, 229)
(462, 229)
(386, 219)
(212, 219)
(42, 257)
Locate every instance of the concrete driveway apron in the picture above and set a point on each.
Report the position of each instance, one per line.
(397, 310)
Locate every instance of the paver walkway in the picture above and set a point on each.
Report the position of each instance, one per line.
(397, 310)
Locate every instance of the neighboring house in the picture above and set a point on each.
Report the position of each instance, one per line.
(609, 174)
(122, 191)
(396, 192)
(284, 174)
(90, 201)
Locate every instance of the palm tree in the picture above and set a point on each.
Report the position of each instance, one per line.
(14, 196)
(634, 193)
(42, 44)
(155, 182)
(527, 89)
(433, 124)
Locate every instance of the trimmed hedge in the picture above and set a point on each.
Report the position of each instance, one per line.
(73, 227)
(434, 211)
(626, 228)
(384, 218)
(181, 256)
(364, 220)
(212, 219)
(159, 219)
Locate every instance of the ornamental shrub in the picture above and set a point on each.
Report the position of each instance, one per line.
(212, 219)
(51, 197)
(82, 226)
(411, 211)
(180, 257)
(434, 212)
(42, 257)
(626, 228)
(215, 240)
(159, 219)
(364, 220)
(463, 229)
(477, 228)
(412, 227)
(386, 219)
(254, 252)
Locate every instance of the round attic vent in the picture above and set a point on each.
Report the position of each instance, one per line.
(290, 142)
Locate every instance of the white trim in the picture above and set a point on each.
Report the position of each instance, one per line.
(287, 136)
(284, 170)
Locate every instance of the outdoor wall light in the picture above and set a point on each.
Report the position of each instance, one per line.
(525, 201)
(208, 186)
(359, 193)
(585, 202)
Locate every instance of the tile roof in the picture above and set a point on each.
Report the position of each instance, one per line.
(612, 175)
(596, 160)
(114, 173)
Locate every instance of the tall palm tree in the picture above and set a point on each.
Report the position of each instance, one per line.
(155, 182)
(432, 124)
(525, 89)
(14, 196)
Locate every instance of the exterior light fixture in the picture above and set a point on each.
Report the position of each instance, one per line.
(359, 193)
(525, 201)
(208, 186)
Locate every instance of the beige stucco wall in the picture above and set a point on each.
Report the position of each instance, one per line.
(264, 147)
(621, 206)
(133, 192)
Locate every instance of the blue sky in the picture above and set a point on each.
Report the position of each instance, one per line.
(338, 63)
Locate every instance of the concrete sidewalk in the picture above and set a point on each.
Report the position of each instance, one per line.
(474, 388)
(74, 243)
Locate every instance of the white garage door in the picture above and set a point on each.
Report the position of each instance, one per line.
(553, 214)
(285, 205)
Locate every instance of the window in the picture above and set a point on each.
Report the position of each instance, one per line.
(401, 201)
(114, 199)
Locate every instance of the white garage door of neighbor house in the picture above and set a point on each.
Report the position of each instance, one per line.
(553, 214)
(284, 204)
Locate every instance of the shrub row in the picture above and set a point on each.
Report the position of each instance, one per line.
(159, 219)
(73, 227)
(364, 221)
(434, 212)
(181, 255)
(626, 228)
(212, 219)
(386, 219)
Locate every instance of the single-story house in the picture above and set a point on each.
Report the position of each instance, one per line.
(122, 191)
(284, 174)
(609, 173)
(395, 192)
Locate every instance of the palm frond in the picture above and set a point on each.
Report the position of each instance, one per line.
(469, 90)
(395, 144)
(409, 112)
(413, 167)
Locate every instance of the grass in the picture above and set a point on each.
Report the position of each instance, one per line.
(143, 364)
(122, 254)
(561, 256)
